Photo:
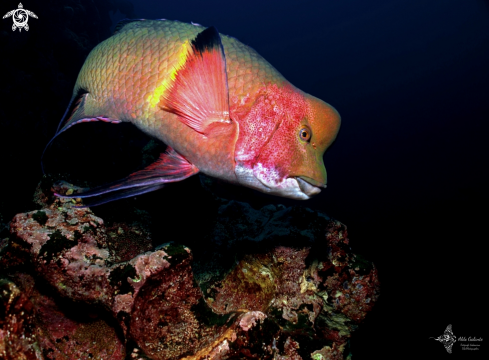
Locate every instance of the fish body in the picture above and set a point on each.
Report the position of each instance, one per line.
(221, 108)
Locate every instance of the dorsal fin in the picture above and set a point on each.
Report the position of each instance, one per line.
(123, 23)
(74, 114)
(75, 105)
(72, 106)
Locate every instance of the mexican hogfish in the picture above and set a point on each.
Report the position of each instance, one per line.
(220, 108)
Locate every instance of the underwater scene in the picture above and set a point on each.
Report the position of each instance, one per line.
(243, 180)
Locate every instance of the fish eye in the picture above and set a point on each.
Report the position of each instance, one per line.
(305, 133)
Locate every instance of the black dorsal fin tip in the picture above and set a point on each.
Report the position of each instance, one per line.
(123, 23)
(207, 39)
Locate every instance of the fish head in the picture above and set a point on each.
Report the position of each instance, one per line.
(281, 143)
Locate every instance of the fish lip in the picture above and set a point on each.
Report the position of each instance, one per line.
(308, 188)
(293, 187)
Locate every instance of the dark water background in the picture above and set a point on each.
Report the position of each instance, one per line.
(408, 173)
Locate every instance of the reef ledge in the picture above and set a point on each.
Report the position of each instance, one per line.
(274, 283)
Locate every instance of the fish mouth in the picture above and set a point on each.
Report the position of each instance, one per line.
(308, 188)
(296, 187)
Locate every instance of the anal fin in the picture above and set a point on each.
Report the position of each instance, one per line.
(117, 195)
(170, 167)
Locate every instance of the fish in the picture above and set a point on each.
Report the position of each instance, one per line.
(220, 108)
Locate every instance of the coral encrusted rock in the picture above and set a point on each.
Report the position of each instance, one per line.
(273, 283)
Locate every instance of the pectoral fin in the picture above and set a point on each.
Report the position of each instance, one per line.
(198, 89)
(170, 167)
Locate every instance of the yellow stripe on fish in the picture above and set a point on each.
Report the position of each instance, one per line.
(154, 98)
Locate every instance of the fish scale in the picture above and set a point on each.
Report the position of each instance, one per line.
(219, 106)
(162, 40)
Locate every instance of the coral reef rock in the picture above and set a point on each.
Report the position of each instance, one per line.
(274, 283)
